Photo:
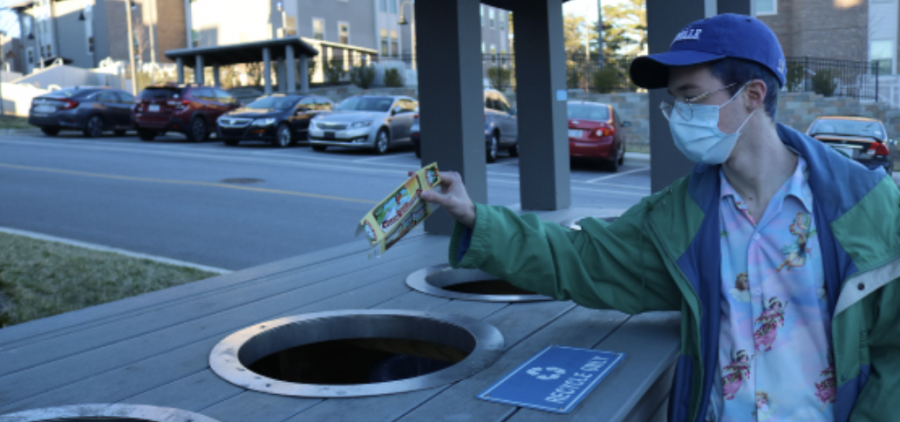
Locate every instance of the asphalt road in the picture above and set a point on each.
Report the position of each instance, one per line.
(170, 198)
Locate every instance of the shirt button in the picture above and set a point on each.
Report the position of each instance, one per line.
(756, 236)
(757, 291)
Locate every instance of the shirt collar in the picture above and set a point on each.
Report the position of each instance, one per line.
(797, 186)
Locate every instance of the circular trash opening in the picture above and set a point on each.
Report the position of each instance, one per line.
(356, 353)
(467, 284)
(105, 413)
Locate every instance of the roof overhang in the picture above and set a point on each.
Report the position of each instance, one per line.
(248, 52)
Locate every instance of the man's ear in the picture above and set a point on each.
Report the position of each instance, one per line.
(755, 94)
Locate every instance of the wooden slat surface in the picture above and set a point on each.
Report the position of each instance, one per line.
(153, 349)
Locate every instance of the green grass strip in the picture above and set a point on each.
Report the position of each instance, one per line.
(39, 278)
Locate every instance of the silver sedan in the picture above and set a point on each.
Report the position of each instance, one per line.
(365, 121)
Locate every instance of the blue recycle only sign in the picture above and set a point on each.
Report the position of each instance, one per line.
(556, 379)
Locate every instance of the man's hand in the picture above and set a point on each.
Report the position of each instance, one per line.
(453, 197)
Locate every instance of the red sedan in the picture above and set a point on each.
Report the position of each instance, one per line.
(595, 132)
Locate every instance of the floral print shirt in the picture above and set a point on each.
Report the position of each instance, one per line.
(775, 337)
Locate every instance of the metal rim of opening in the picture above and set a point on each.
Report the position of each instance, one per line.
(136, 412)
(225, 359)
(432, 280)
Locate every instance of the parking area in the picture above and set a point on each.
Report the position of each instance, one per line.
(231, 206)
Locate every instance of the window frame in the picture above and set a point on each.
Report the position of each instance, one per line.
(492, 18)
(339, 25)
(395, 43)
(385, 43)
(314, 20)
(767, 13)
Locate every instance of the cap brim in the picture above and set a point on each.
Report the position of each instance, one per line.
(652, 71)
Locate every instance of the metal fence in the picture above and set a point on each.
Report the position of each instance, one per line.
(829, 77)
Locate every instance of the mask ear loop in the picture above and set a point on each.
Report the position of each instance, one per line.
(738, 131)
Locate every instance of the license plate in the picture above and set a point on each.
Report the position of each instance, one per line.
(329, 135)
(45, 109)
(575, 133)
(153, 107)
(845, 150)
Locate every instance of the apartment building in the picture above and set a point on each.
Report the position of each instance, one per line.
(858, 30)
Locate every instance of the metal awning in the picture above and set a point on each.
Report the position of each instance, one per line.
(248, 52)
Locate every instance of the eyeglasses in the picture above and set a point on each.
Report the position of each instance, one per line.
(687, 113)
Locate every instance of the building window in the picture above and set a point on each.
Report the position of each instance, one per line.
(766, 7)
(383, 4)
(318, 29)
(482, 15)
(881, 52)
(90, 45)
(482, 50)
(384, 43)
(491, 16)
(343, 32)
(502, 20)
(503, 56)
(195, 38)
(493, 53)
(395, 44)
(30, 55)
(393, 6)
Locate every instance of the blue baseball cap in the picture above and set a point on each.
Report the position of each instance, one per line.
(711, 39)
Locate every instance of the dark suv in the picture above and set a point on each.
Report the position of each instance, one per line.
(91, 110)
(189, 109)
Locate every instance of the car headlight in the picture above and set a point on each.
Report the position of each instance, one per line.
(264, 122)
(361, 124)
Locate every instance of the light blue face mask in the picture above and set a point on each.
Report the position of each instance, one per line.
(700, 138)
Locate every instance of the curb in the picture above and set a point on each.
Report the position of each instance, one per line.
(101, 248)
(637, 156)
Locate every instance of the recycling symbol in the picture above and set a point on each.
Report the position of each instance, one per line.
(553, 373)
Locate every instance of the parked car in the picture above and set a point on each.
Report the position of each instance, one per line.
(278, 119)
(595, 131)
(91, 110)
(860, 138)
(187, 108)
(414, 135)
(365, 121)
(501, 129)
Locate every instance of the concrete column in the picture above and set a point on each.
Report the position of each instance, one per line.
(664, 19)
(303, 64)
(217, 81)
(291, 68)
(179, 65)
(281, 71)
(450, 96)
(199, 73)
(544, 177)
(267, 70)
(742, 7)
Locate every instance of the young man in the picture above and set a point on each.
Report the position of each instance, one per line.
(781, 254)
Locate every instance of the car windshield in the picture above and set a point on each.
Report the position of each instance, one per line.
(588, 112)
(160, 93)
(867, 128)
(274, 103)
(382, 104)
(69, 92)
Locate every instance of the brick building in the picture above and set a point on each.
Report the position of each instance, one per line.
(858, 30)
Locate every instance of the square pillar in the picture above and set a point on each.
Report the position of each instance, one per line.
(179, 65)
(544, 174)
(303, 64)
(664, 19)
(199, 74)
(741, 7)
(217, 82)
(281, 71)
(291, 68)
(267, 70)
(451, 96)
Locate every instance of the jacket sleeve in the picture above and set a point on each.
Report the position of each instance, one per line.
(604, 265)
(881, 392)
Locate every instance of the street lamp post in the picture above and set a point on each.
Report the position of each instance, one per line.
(412, 28)
(128, 6)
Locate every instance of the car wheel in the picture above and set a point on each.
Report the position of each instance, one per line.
(382, 142)
(319, 148)
(94, 127)
(622, 157)
(197, 132)
(50, 130)
(146, 134)
(119, 132)
(492, 148)
(514, 150)
(232, 142)
(282, 136)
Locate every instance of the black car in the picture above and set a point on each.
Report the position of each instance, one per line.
(91, 110)
(278, 119)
